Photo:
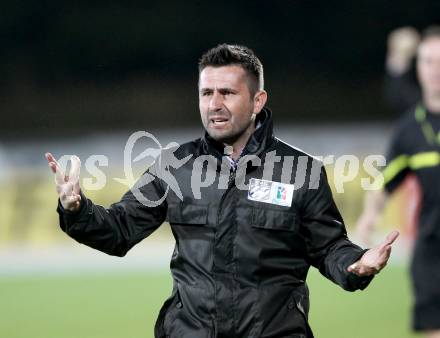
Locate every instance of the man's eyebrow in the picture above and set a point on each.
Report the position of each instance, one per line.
(221, 89)
(227, 89)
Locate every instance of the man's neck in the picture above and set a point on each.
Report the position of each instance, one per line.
(238, 146)
(432, 102)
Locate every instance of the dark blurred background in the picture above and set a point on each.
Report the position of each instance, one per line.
(76, 67)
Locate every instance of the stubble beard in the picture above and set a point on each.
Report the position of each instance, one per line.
(229, 137)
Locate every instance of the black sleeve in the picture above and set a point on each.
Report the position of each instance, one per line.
(117, 229)
(401, 91)
(328, 247)
(397, 167)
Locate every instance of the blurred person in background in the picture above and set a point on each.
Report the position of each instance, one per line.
(415, 149)
(241, 257)
(401, 88)
(402, 93)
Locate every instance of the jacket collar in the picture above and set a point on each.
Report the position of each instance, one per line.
(257, 143)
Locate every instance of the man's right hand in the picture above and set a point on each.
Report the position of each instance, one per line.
(67, 186)
(402, 48)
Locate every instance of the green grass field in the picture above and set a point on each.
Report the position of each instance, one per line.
(126, 306)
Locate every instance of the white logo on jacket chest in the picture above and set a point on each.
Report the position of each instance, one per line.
(270, 192)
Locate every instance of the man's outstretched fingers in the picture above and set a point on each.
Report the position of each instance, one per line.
(391, 237)
(49, 157)
(52, 167)
(388, 251)
(56, 169)
(51, 162)
(75, 168)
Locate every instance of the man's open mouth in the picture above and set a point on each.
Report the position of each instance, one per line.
(218, 121)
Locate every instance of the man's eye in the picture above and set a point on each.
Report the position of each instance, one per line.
(206, 93)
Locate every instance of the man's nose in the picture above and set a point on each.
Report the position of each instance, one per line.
(216, 102)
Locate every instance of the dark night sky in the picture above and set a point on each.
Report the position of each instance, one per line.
(118, 65)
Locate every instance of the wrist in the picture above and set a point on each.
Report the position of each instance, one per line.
(397, 64)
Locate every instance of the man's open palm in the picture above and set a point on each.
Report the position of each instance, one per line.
(67, 186)
(374, 259)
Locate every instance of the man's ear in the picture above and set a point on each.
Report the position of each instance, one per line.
(260, 99)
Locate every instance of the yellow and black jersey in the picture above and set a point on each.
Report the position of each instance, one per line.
(415, 148)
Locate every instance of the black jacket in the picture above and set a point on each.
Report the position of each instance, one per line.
(239, 266)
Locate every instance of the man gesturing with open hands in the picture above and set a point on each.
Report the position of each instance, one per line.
(245, 238)
(68, 190)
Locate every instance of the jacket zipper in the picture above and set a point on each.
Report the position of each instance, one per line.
(231, 180)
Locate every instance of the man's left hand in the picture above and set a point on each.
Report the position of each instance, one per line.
(374, 259)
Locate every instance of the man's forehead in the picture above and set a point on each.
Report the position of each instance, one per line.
(430, 46)
(221, 76)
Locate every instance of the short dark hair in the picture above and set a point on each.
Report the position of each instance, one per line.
(224, 55)
(430, 32)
